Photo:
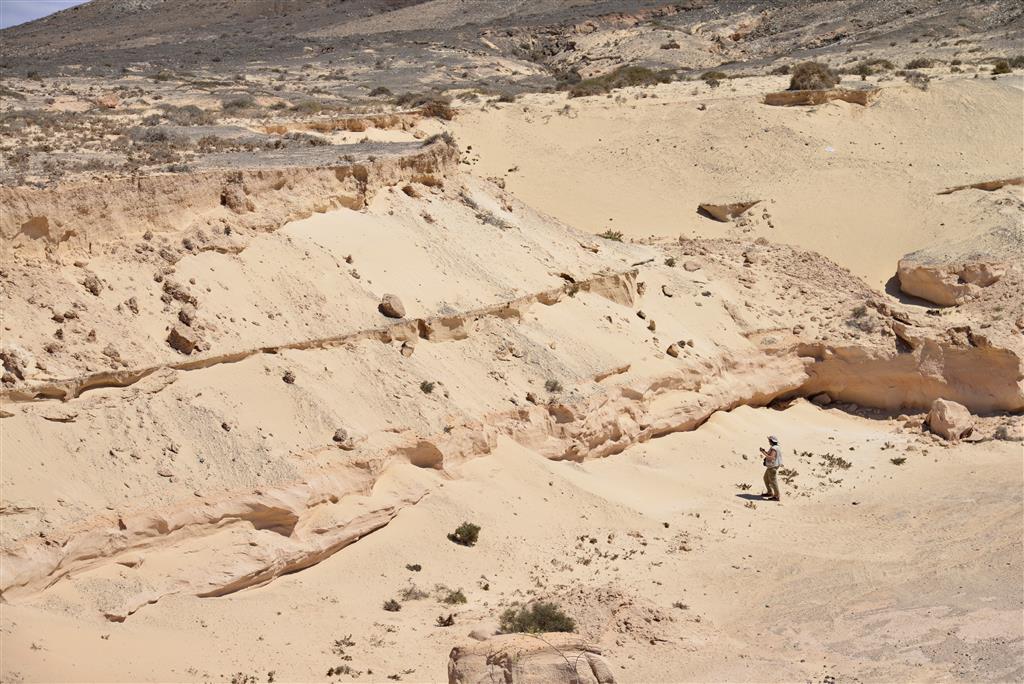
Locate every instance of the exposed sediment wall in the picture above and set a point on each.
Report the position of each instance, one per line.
(81, 215)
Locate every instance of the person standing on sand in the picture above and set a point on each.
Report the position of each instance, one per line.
(772, 463)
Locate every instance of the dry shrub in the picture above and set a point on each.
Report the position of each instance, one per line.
(1002, 66)
(536, 618)
(623, 77)
(813, 76)
(921, 63)
(870, 67)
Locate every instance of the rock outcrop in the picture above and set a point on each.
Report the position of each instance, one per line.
(551, 658)
(949, 274)
(803, 98)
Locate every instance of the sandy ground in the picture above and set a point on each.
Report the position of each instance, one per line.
(877, 572)
(853, 183)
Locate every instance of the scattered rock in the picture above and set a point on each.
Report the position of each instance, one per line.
(668, 291)
(16, 360)
(822, 399)
(673, 350)
(187, 315)
(288, 377)
(183, 339)
(93, 284)
(950, 420)
(133, 304)
(691, 266)
(173, 290)
(391, 306)
(347, 440)
(408, 347)
(651, 325)
(233, 197)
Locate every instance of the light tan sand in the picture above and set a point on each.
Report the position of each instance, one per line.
(891, 573)
(857, 184)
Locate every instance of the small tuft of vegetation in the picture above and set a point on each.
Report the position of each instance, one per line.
(445, 136)
(917, 79)
(536, 618)
(870, 67)
(813, 76)
(670, 262)
(413, 567)
(239, 103)
(453, 597)
(392, 606)
(412, 593)
(380, 91)
(443, 621)
(714, 75)
(898, 460)
(921, 63)
(426, 387)
(833, 462)
(1002, 66)
(610, 234)
(428, 105)
(507, 97)
(623, 77)
(670, 45)
(1017, 62)
(552, 385)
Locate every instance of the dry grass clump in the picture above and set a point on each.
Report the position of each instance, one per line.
(813, 76)
(536, 618)
(870, 67)
(917, 79)
(428, 105)
(189, 115)
(623, 77)
(1002, 66)
(921, 63)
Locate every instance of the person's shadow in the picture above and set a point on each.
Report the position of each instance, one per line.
(750, 497)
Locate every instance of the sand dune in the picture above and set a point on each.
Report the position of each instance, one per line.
(836, 178)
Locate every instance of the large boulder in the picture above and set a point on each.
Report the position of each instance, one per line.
(549, 658)
(950, 420)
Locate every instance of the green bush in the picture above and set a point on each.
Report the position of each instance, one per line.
(552, 385)
(465, 534)
(537, 617)
(812, 76)
(610, 234)
(453, 597)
